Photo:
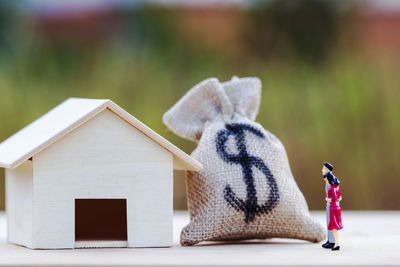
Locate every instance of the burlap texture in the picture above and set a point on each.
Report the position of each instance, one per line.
(246, 189)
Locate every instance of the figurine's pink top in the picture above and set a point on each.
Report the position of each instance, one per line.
(334, 194)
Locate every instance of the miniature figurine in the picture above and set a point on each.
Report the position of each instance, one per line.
(330, 240)
(333, 198)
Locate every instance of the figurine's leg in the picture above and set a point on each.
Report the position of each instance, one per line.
(330, 237)
(336, 236)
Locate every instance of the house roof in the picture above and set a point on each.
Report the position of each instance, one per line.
(66, 117)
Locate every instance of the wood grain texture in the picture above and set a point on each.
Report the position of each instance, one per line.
(66, 117)
(101, 244)
(103, 158)
(368, 239)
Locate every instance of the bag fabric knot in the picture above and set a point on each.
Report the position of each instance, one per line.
(210, 100)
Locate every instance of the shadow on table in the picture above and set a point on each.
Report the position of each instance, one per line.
(272, 241)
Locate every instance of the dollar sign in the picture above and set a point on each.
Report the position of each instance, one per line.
(249, 206)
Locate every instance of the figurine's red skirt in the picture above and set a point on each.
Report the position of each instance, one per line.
(335, 220)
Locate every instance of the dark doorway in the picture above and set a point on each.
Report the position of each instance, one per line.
(100, 219)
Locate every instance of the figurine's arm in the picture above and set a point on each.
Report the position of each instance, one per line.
(330, 197)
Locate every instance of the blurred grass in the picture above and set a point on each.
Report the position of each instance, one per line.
(343, 110)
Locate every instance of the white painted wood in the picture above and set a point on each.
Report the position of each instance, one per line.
(45, 130)
(101, 244)
(19, 204)
(65, 118)
(103, 158)
(369, 238)
(182, 161)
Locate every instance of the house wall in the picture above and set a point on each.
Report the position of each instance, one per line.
(104, 158)
(19, 204)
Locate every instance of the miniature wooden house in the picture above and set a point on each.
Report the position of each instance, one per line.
(89, 174)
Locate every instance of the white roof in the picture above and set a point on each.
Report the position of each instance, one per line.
(65, 118)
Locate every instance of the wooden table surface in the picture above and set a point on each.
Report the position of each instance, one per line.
(368, 238)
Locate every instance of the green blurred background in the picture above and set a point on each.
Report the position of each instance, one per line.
(330, 73)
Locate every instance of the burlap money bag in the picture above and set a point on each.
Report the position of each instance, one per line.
(246, 189)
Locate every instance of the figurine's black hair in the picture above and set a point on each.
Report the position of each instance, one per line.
(332, 179)
(328, 165)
